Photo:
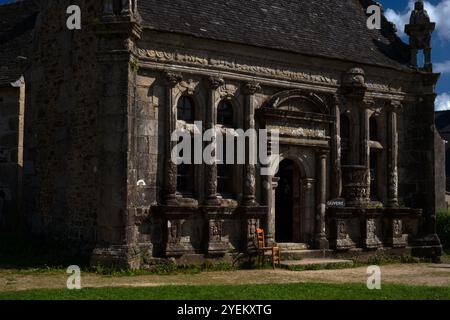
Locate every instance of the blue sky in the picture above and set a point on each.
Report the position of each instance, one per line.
(398, 12)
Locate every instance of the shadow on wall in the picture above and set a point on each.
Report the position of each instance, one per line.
(19, 252)
(10, 193)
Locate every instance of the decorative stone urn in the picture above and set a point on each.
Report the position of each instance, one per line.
(355, 185)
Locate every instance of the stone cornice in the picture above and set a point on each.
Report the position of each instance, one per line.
(253, 67)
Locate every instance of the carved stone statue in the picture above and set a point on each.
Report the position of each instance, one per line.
(120, 7)
(419, 31)
(419, 14)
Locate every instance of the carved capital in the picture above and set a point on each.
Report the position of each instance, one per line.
(393, 106)
(172, 78)
(323, 154)
(215, 83)
(250, 88)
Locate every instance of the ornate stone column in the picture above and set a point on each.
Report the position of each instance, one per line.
(212, 197)
(365, 147)
(170, 185)
(270, 225)
(336, 187)
(321, 241)
(249, 191)
(392, 156)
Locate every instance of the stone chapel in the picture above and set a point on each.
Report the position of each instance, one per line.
(86, 118)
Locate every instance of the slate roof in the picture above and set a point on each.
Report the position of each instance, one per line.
(330, 28)
(16, 27)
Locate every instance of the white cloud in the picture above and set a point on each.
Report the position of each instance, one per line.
(439, 13)
(443, 102)
(442, 67)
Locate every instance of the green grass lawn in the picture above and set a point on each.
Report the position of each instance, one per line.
(308, 291)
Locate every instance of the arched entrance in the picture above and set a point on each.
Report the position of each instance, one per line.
(287, 203)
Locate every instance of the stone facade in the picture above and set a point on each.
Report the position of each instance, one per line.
(102, 104)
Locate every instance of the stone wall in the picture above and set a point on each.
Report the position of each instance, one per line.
(61, 152)
(11, 153)
(440, 173)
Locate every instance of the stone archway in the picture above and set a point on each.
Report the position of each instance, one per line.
(290, 201)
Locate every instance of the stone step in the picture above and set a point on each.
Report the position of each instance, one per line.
(293, 246)
(305, 254)
(316, 264)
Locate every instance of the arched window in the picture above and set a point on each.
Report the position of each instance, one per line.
(185, 109)
(373, 129)
(225, 174)
(225, 117)
(185, 175)
(225, 114)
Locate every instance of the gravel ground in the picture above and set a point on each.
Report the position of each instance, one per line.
(410, 274)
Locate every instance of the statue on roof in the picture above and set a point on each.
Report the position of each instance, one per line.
(419, 31)
(419, 14)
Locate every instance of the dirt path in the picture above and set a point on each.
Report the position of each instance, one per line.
(411, 274)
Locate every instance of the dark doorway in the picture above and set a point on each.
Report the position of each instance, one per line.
(284, 214)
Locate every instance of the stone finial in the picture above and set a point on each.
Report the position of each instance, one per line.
(419, 31)
(354, 82)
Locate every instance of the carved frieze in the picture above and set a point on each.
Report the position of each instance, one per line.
(372, 241)
(177, 243)
(303, 132)
(174, 234)
(343, 240)
(218, 244)
(252, 240)
(246, 65)
(232, 64)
